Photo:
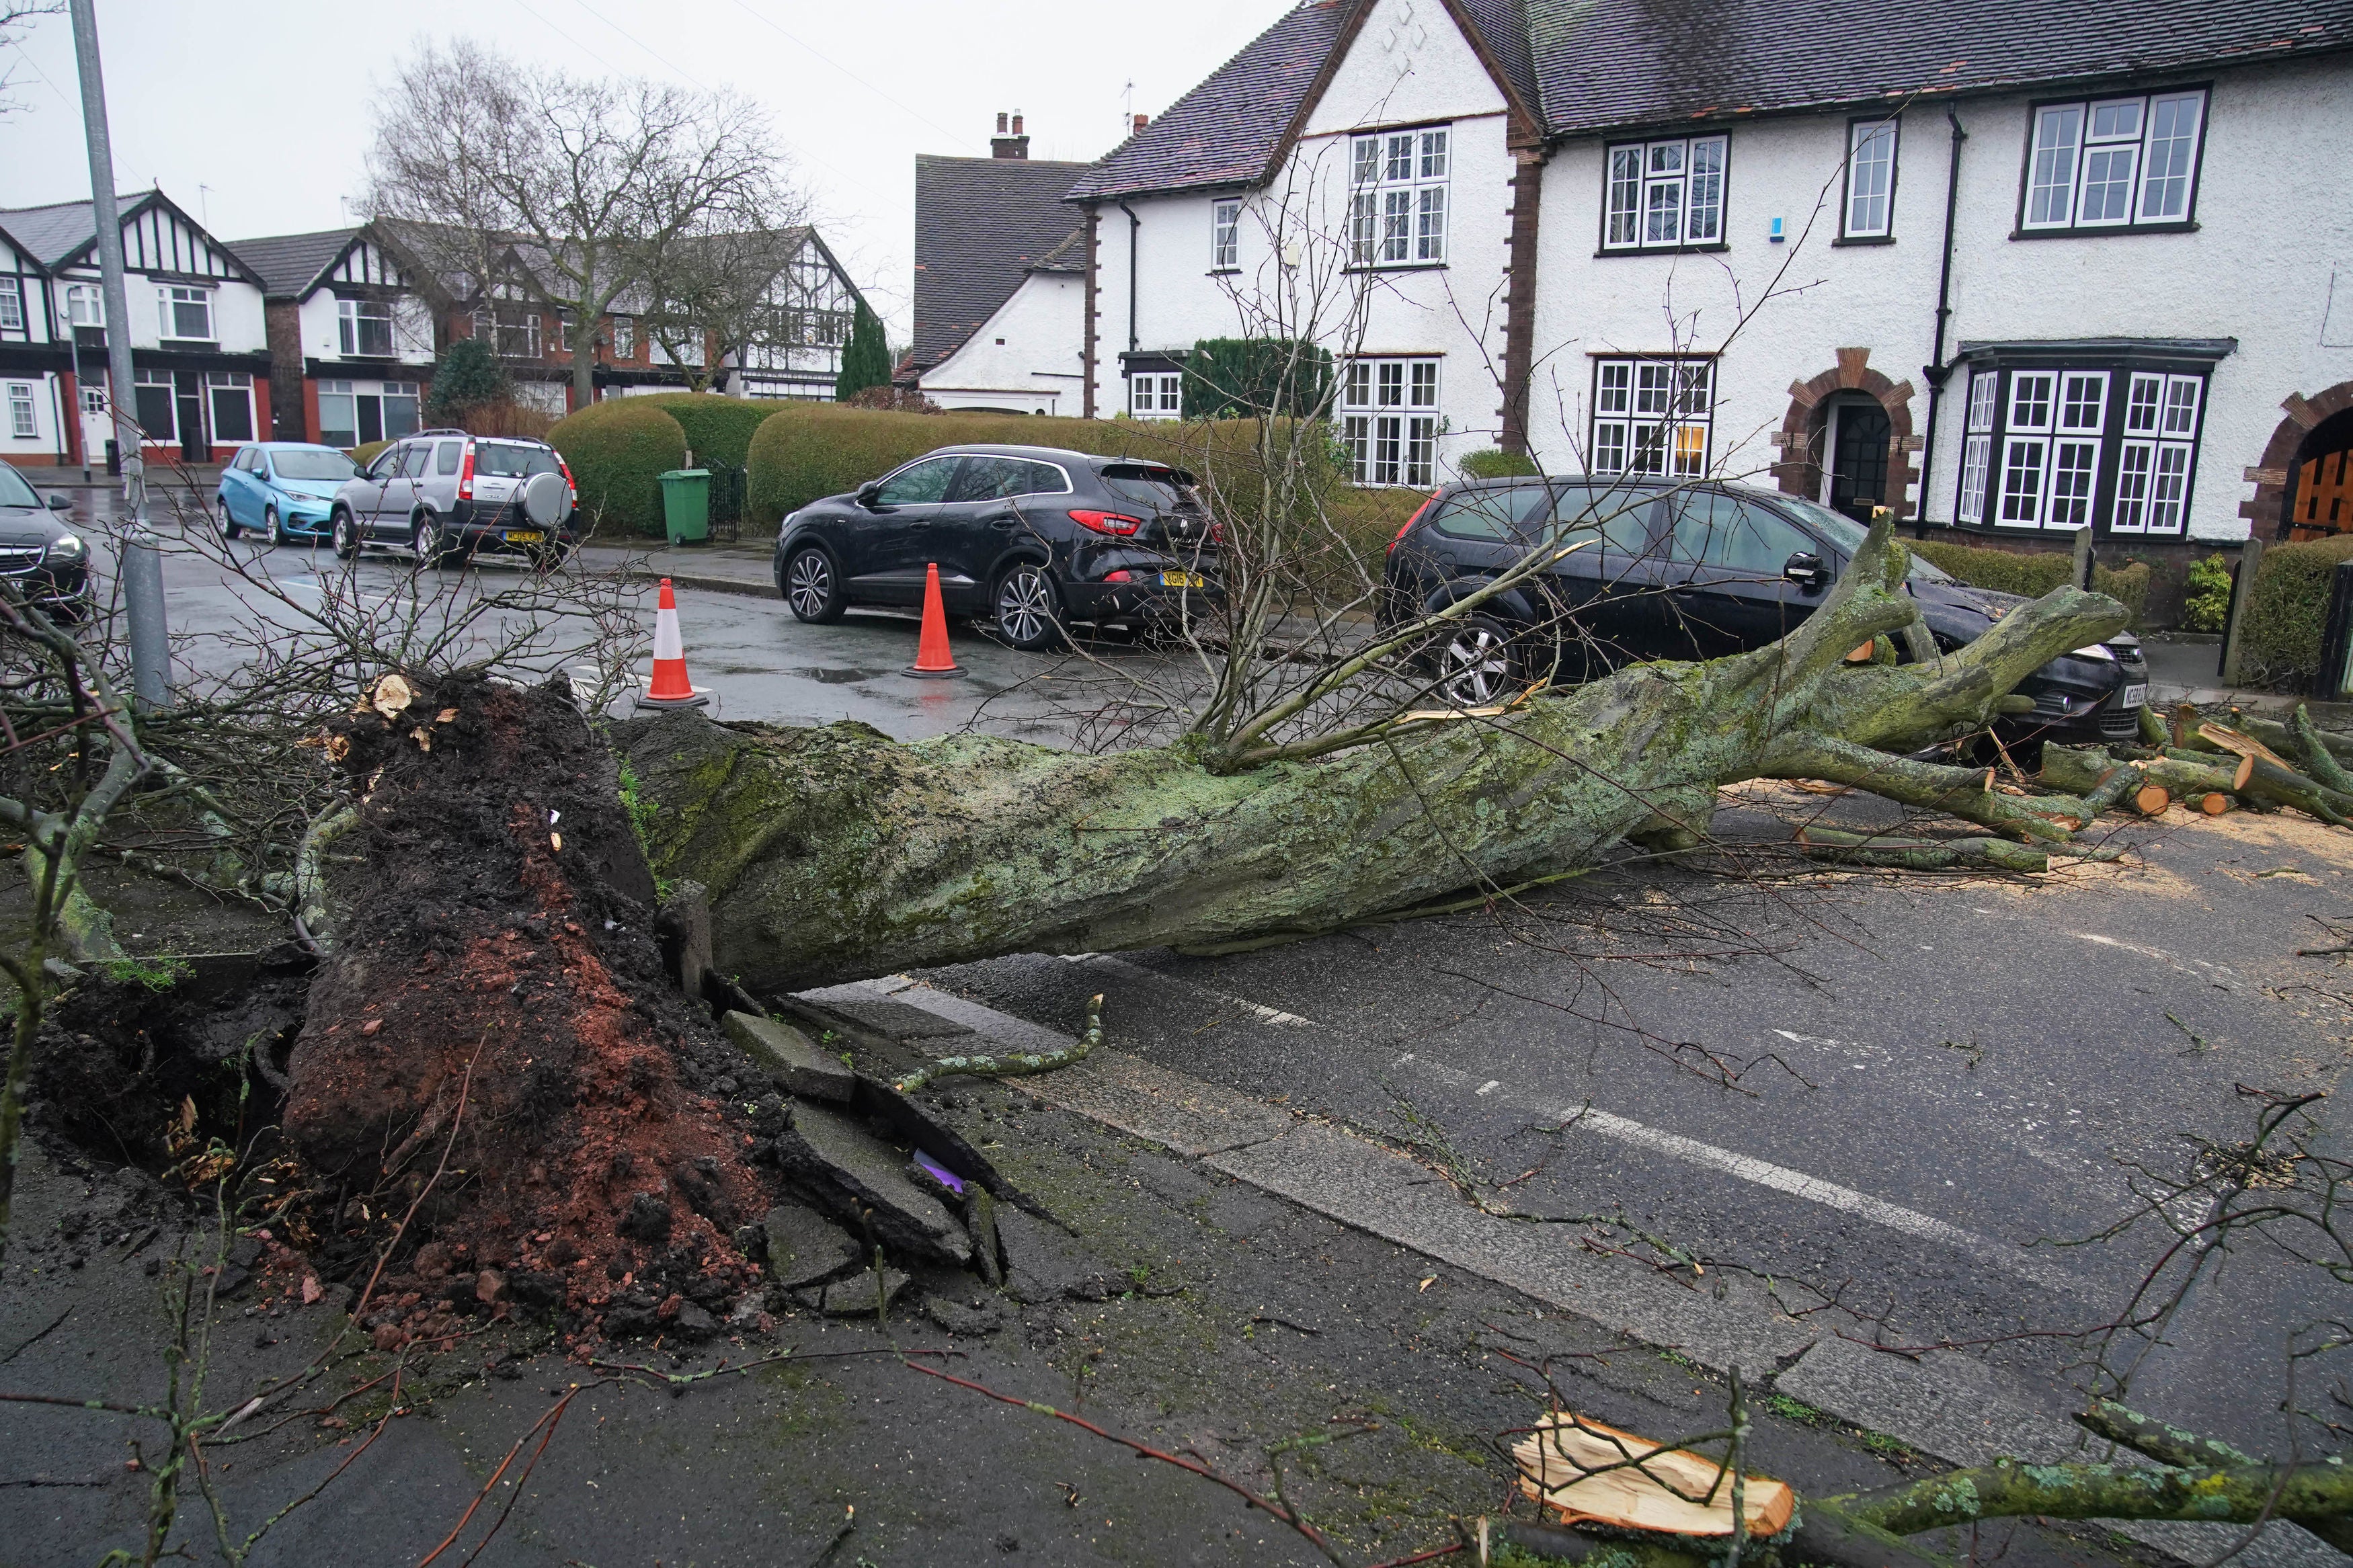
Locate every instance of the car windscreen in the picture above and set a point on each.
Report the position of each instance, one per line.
(13, 491)
(1164, 489)
(508, 460)
(1848, 535)
(319, 465)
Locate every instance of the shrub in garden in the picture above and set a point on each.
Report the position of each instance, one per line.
(718, 429)
(2033, 575)
(467, 376)
(2206, 603)
(865, 359)
(1245, 378)
(1494, 463)
(616, 450)
(2289, 611)
(893, 399)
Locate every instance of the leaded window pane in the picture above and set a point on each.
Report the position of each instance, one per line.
(1625, 194)
(1433, 154)
(1704, 220)
(1429, 234)
(2021, 482)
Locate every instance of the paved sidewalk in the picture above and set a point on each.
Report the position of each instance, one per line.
(2180, 670)
(715, 568)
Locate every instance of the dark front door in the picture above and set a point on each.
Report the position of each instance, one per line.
(370, 409)
(1859, 459)
(188, 392)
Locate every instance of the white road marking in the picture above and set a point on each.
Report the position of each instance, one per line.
(1258, 1010)
(2217, 974)
(1779, 1178)
(1490, 1086)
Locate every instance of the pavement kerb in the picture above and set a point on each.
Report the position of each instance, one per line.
(1942, 1404)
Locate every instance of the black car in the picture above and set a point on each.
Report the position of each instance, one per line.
(46, 561)
(1683, 571)
(1034, 536)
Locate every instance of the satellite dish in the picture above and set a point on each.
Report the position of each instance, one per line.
(546, 499)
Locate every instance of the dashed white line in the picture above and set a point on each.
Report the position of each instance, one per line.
(1764, 1173)
(1258, 1010)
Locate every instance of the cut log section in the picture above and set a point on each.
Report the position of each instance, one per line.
(1558, 1462)
(2242, 744)
(2215, 804)
(2151, 800)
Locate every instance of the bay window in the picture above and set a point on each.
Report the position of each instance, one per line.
(1398, 183)
(2113, 162)
(1651, 416)
(2064, 446)
(1665, 195)
(1388, 420)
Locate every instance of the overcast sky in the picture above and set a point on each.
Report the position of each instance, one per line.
(254, 115)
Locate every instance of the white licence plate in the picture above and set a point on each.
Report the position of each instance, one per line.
(2137, 694)
(1183, 580)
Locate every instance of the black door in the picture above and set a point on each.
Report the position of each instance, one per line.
(1859, 459)
(370, 417)
(991, 506)
(890, 543)
(1730, 554)
(188, 392)
(1605, 593)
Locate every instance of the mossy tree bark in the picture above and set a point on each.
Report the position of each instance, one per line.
(836, 853)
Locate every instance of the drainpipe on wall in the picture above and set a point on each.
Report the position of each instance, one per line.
(1091, 309)
(1133, 224)
(1936, 371)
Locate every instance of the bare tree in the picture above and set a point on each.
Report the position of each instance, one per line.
(14, 16)
(487, 164)
(720, 293)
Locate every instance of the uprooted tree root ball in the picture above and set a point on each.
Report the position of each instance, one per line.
(493, 1033)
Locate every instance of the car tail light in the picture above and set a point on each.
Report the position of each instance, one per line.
(466, 475)
(1120, 576)
(1106, 521)
(1414, 518)
(571, 489)
(1217, 531)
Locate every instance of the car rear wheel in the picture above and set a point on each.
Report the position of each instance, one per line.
(1029, 609)
(812, 588)
(1477, 664)
(347, 536)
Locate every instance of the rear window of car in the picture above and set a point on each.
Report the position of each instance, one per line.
(1487, 513)
(1142, 484)
(1622, 516)
(512, 460)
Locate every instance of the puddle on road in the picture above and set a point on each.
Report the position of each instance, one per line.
(825, 675)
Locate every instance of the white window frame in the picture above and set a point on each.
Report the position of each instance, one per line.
(12, 305)
(348, 315)
(1390, 420)
(1225, 234)
(1868, 211)
(1977, 447)
(84, 300)
(2078, 443)
(2158, 453)
(169, 300)
(1155, 395)
(1665, 195)
(164, 379)
(24, 424)
(1652, 415)
(489, 327)
(624, 337)
(2138, 155)
(1397, 185)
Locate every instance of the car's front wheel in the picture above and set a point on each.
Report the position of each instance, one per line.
(1477, 665)
(347, 536)
(274, 525)
(430, 542)
(1029, 608)
(229, 524)
(811, 586)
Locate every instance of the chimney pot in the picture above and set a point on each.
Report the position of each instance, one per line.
(1016, 122)
(1141, 121)
(1000, 125)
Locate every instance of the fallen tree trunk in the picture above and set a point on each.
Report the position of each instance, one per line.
(837, 853)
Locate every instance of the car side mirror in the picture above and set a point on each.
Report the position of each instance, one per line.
(1807, 570)
(59, 502)
(868, 492)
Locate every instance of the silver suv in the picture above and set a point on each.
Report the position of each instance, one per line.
(446, 495)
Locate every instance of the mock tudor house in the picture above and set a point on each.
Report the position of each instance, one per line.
(1999, 269)
(350, 337)
(199, 355)
(999, 285)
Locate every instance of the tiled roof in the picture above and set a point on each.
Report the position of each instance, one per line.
(289, 263)
(1605, 63)
(51, 234)
(1228, 130)
(1504, 25)
(981, 224)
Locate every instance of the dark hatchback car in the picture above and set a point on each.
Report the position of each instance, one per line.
(1033, 536)
(44, 560)
(1688, 572)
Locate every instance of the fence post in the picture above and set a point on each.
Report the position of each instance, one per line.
(2330, 682)
(2084, 557)
(2243, 588)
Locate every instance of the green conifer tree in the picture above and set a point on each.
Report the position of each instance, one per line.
(469, 377)
(866, 360)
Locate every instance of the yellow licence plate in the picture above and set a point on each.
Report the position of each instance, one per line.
(1183, 580)
(525, 538)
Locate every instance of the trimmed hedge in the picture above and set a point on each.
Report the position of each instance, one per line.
(809, 450)
(2289, 611)
(615, 450)
(1494, 463)
(718, 429)
(365, 452)
(2010, 572)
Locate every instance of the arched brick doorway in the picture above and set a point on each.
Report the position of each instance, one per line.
(2303, 487)
(1807, 439)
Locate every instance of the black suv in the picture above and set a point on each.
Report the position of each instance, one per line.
(46, 560)
(1035, 536)
(1688, 571)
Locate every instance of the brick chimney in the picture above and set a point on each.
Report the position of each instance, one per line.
(1008, 145)
(1141, 121)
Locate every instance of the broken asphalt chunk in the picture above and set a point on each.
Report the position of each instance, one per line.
(861, 1181)
(786, 1054)
(805, 1248)
(854, 1296)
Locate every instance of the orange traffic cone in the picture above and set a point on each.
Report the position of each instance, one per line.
(670, 688)
(932, 660)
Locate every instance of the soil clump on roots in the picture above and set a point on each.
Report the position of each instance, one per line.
(493, 1042)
